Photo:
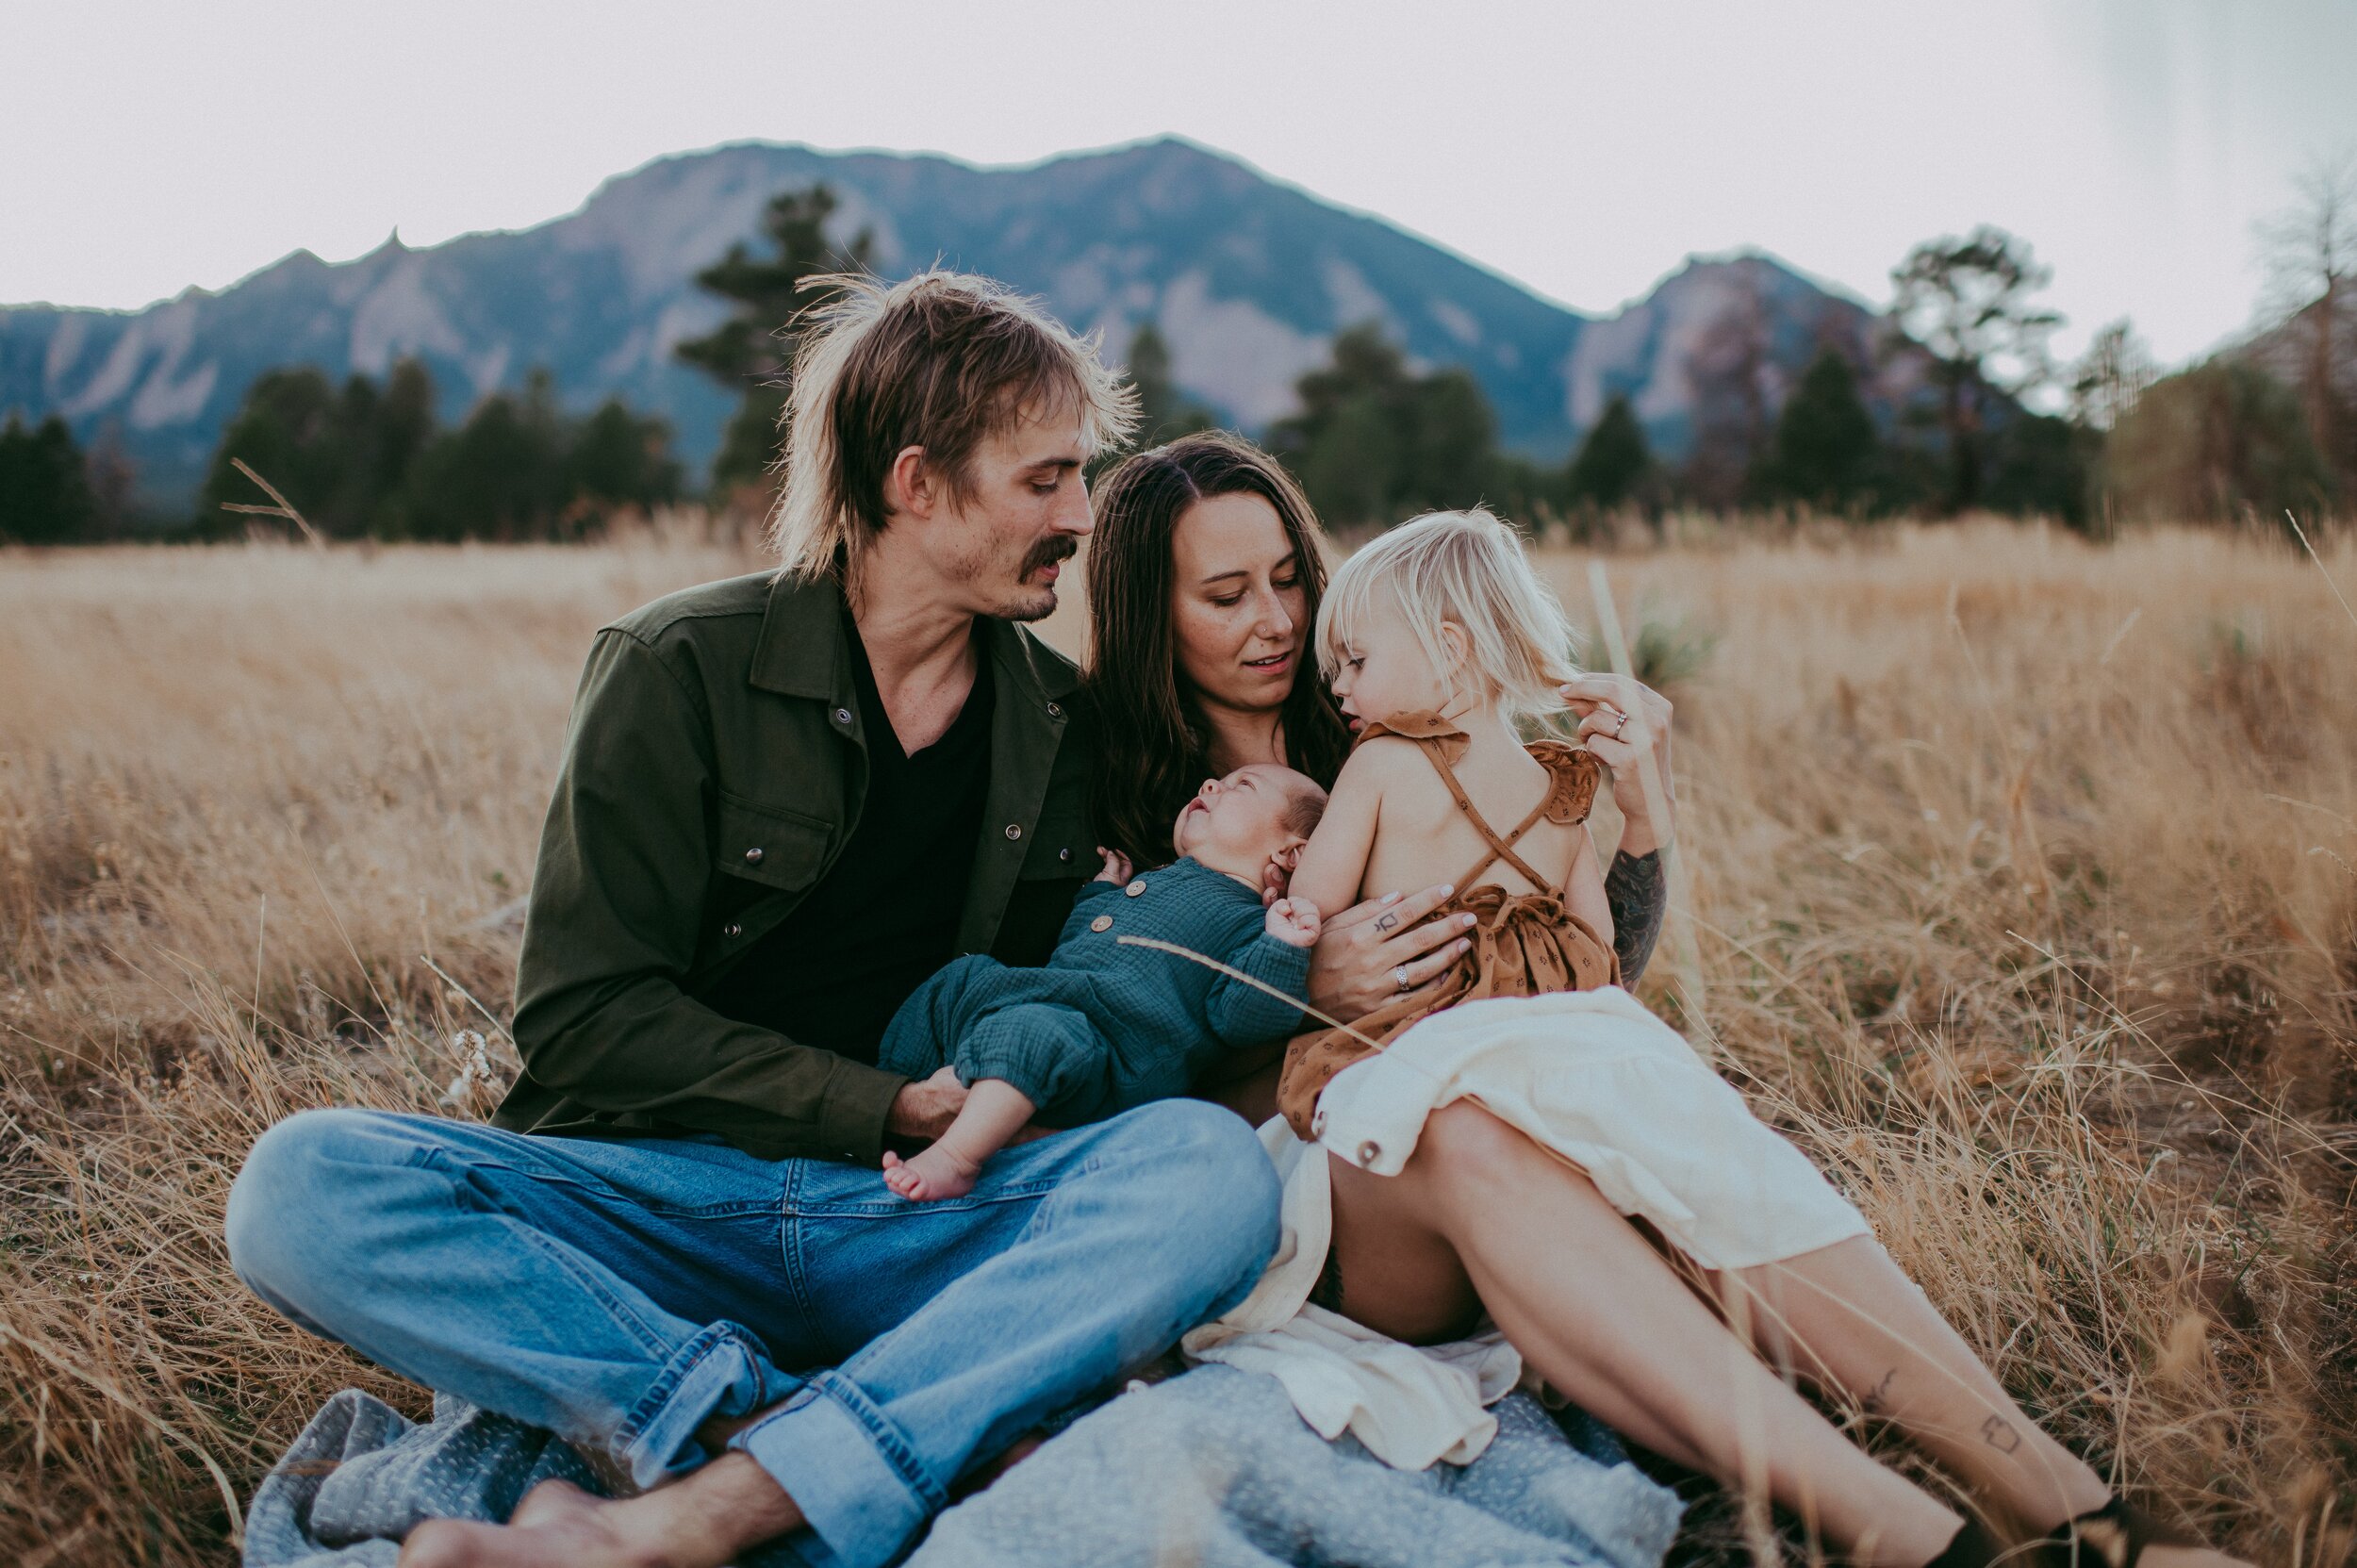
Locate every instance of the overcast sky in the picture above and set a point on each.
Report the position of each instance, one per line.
(1581, 148)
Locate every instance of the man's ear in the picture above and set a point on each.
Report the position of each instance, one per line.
(908, 485)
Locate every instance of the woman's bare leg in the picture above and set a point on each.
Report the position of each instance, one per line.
(1607, 1323)
(1848, 1319)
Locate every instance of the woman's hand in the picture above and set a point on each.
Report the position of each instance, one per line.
(1366, 953)
(1621, 719)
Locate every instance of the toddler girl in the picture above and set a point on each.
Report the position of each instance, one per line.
(1439, 641)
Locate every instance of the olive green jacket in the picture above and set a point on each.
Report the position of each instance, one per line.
(713, 768)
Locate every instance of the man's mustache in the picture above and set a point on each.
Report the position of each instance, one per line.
(1056, 547)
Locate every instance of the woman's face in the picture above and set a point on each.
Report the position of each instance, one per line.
(1237, 603)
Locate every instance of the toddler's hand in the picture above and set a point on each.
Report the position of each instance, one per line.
(1293, 922)
(1117, 866)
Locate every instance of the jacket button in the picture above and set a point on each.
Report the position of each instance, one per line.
(1135, 888)
(1063, 854)
(731, 928)
(1103, 922)
(1054, 712)
(843, 715)
(752, 856)
(1015, 830)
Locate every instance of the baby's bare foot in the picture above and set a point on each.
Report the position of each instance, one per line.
(929, 1174)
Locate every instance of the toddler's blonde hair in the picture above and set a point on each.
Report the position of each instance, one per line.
(1467, 567)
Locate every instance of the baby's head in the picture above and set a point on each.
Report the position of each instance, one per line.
(1240, 823)
(1442, 611)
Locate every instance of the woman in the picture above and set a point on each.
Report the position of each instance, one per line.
(1204, 578)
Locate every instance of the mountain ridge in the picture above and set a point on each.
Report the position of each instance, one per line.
(1249, 276)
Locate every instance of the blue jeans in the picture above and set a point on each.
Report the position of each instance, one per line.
(620, 1292)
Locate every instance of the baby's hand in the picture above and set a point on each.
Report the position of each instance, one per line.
(1293, 922)
(1275, 878)
(1117, 866)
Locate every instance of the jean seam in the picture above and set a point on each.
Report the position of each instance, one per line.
(621, 1313)
(791, 1261)
(836, 1208)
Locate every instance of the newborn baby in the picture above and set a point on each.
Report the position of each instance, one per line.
(1102, 1027)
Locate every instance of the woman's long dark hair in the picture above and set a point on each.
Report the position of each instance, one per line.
(1152, 748)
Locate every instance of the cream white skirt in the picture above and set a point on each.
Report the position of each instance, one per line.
(1602, 1084)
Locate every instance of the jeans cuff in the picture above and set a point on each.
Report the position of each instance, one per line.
(722, 1371)
(849, 1469)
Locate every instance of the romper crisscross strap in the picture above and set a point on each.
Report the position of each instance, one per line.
(1524, 944)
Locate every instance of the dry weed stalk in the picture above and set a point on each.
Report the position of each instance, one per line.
(2018, 876)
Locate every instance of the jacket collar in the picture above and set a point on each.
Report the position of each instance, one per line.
(803, 651)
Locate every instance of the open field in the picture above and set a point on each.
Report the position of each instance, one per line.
(2022, 886)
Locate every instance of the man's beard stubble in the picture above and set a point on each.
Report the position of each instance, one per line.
(1037, 604)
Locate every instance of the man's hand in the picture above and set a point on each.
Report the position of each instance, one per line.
(1116, 866)
(924, 1108)
(1293, 922)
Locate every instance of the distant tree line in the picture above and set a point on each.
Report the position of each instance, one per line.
(52, 491)
(368, 459)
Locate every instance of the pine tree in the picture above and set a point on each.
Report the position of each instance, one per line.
(45, 488)
(1374, 442)
(1968, 301)
(1825, 451)
(1613, 460)
(746, 352)
(1164, 413)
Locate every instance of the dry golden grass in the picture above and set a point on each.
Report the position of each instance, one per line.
(2021, 890)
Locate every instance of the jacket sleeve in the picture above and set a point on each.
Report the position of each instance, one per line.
(1243, 1014)
(617, 894)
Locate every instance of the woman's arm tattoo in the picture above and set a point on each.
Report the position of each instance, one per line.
(1639, 897)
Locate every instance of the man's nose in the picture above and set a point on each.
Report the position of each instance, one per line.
(1074, 516)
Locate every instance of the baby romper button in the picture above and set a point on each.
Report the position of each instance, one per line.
(1103, 922)
(1369, 1152)
(1135, 887)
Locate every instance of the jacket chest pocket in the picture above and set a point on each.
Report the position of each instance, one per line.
(777, 849)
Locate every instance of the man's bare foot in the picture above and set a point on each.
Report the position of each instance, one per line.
(556, 1526)
(930, 1173)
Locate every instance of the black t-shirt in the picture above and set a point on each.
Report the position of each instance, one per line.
(887, 914)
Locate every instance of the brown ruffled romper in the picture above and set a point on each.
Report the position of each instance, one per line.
(1524, 944)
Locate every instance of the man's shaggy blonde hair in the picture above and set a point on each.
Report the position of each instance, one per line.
(1467, 569)
(943, 361)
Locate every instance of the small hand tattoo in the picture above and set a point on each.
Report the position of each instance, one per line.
(1999, 1434)
(1878, 1397)
(1385, 922)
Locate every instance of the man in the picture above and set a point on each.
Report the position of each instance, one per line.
(785, 801)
